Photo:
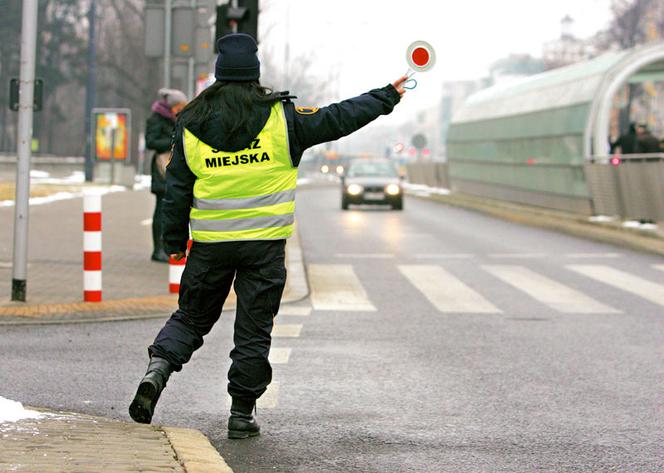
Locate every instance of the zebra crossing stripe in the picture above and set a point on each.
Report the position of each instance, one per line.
(648, 290)
(297, 311)
(279, 356)
(269, 398)
(267, 401)
(337, 287)
(552, 293)
(445, 291)
(286, 330)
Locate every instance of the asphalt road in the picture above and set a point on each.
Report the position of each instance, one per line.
(455, 343)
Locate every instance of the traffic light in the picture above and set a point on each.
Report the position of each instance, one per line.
(240, 19)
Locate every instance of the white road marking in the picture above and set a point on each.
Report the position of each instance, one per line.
(517, 255)
(146, 222)
(365, 255)
(337, 287)
(625, 281)
(443, 256)
(269, 398)
(286, 330)
(445, 291)
(279, 356)
(593, 255)
(550, 292)
(267, 401)
(295, 310)
(658, 266)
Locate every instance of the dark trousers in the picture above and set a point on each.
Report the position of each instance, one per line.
(156, 226)
(260, 276)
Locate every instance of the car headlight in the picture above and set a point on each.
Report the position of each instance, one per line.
(340, 169)
(324, 169)
(354, 189)
(392, 189)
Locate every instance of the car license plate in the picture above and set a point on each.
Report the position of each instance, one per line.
(374, 196)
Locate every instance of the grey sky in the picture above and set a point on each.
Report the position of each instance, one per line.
(367, 39)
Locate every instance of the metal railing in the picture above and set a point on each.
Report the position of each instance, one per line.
(629, 186)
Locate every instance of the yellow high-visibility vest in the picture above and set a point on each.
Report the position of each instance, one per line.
(247, 194)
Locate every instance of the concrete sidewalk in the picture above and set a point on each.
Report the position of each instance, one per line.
(68, 442)
(133, 285)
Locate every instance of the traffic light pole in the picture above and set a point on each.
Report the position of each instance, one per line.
(23, 148)
(90, 91)
(168, 13)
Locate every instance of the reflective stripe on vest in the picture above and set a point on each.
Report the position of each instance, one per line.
(247, 194)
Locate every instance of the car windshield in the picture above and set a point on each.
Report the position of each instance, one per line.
(372, 169)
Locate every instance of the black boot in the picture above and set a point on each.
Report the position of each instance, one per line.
(241, 423)
(152, 384)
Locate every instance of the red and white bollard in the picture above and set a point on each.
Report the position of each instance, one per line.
(92, 248)
(175, 270)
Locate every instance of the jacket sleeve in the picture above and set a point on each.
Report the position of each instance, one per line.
(178, 199)
(314, 126)
(155, 137)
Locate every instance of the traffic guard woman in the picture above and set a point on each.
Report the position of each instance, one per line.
(232, 178)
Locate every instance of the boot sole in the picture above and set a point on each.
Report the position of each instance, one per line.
(142, 406)
(241, 434)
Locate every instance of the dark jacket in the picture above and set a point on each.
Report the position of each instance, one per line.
(647, 143)
(307, 127)
(158, 139)
(626, 143)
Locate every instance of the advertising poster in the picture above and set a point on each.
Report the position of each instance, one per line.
(111, 134)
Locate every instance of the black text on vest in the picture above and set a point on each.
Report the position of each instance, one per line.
(222, 161)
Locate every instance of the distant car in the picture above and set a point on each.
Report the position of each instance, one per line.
(372, 181)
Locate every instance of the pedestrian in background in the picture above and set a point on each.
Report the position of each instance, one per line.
(645, 140)
(158, 138)
(232, 178)
(626, 143)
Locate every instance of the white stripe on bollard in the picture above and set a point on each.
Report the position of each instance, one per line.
(91, 241)
(92, 280)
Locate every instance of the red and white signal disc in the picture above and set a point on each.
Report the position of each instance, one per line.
(420, 56)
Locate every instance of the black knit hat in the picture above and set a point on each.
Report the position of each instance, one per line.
(237, 60)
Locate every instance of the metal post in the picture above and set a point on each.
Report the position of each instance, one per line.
(287, 50)
(113, 130)
(90, 91)
(168, 5)
(23, 149)
(192, 62)
(191, 78)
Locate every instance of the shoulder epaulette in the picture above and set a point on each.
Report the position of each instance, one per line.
(285, 96)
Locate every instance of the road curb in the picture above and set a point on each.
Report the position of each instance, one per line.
(144, 308)
(570, 224)
(195, 452)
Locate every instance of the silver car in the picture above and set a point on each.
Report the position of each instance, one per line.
(372, 181)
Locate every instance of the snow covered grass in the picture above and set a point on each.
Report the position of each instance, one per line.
(12, 411)
(45, 189)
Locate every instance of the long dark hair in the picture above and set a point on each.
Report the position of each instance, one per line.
(233, 101)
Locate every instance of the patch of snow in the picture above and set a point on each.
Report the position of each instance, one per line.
(601, 218)
(12, 411)
(142, 181)
(631, 224)
(424, 190)
(41, 177)
(639, 225)
(67, 195)
(35, 173)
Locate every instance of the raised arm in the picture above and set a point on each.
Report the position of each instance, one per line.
(312, 126)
